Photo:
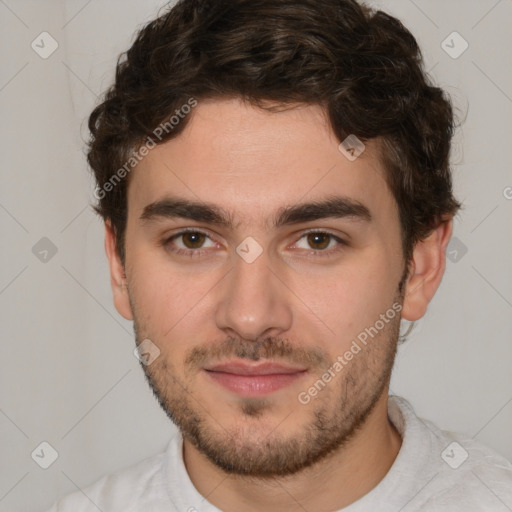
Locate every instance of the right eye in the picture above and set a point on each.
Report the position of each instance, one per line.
(187, 242)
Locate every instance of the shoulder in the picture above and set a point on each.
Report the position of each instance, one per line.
(463, 473)
(128, 489)
(475, 476)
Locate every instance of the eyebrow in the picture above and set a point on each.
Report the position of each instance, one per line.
(331, 207)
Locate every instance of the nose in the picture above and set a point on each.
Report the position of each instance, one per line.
(253, 302)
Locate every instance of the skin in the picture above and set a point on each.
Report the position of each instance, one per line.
(290, 305)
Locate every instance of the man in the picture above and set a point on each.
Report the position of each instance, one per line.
(274, 179)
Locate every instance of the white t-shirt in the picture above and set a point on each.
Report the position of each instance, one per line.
(434, 471)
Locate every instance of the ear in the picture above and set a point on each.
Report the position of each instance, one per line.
(427, 269)
(118, 280)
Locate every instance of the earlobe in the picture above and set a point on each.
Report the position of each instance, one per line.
(118, 280)
(427, 269)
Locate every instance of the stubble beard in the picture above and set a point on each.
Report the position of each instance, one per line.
(248, 447)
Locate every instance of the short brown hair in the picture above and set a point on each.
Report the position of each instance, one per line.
(361, 65)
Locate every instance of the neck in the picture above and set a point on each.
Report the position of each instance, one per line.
(331, 484)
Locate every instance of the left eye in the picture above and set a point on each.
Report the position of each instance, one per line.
(318, 241)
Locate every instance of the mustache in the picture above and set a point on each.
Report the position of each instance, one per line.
(272, 348)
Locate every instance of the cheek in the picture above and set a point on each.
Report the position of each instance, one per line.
(166, 299)
(353, 296)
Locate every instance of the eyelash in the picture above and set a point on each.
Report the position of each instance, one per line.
(198, 252)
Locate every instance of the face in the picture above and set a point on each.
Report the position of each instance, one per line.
(251, 296)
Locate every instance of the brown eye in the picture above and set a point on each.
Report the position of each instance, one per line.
(189, 242)
(193, 239)
(320, 243)
(319, 240)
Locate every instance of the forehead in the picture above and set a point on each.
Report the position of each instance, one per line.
(252, 162)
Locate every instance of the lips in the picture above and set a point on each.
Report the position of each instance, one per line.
(255, 379)
(266, 368)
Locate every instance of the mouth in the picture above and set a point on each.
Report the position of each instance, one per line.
(254, 379)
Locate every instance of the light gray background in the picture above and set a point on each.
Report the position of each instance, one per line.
(68, 374)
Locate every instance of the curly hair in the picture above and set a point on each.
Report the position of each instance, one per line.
(362, 66)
